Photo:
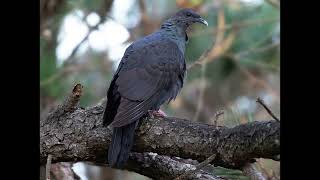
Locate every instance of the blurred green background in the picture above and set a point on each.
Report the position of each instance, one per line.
(82, 41)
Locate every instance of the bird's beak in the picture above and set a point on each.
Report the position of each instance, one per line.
(202, 21)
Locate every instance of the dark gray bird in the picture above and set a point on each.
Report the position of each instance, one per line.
(150, 73)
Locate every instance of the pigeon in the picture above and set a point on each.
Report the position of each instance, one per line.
(150, 73)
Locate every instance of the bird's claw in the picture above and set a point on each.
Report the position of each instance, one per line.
(155, 114)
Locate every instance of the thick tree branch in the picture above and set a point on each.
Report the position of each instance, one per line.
(164, 167)
(70, 133)
(80, 136)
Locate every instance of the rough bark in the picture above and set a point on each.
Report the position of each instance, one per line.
(164, 167)
(70, 133)
(80, 136)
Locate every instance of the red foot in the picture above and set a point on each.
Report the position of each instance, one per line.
(159, 113)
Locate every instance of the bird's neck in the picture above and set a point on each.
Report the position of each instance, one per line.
(175, 33)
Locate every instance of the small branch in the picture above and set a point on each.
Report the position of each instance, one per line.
(260, 101)
(69, 104)
(250, 170)
(105, 6)
(74, 98)
(200, 59)
(48, 167)
(198, 167)
(220, 46)
(216, 117)
(84, 39)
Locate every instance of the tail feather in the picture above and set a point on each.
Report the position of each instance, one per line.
(115, 146)
(121, 144)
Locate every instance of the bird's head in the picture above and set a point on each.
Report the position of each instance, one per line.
(186, 17)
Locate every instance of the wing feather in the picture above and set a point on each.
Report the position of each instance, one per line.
(147, 76)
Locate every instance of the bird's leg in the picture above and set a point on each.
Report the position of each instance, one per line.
(157, 113)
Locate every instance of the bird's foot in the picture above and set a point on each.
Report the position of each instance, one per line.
(155, 114)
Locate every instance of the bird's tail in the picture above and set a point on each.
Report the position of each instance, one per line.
(121, 144)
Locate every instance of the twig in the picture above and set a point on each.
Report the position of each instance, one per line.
(70, 103)
(198, 167)
(74, 97)
(200, 59)
(216, 117)
(209, 55)
(217, 50)
(219, 40)
(48, 167)
(260, 101)
(103, 18)
(85, 38)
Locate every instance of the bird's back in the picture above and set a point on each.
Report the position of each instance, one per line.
(153, 50)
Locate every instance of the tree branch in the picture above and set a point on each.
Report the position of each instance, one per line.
(73, 134)
(197, 168)
(260, 101)
(80, 136)
(164, 167)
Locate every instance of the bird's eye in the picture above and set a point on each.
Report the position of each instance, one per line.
(188, 14)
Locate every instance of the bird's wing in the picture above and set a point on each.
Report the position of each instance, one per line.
(144, 78)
